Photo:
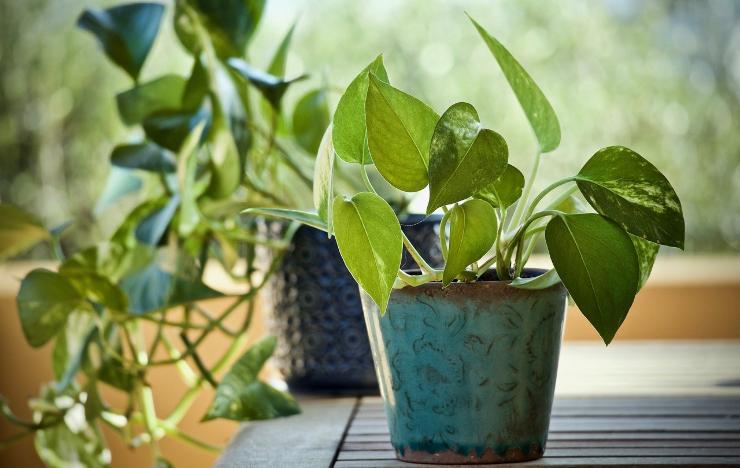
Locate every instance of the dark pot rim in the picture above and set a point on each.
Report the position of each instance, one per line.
(488, 284)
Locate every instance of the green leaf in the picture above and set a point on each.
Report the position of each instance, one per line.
(45, 300)
(169, 128)
(241, 396)
(108, 259)
(97, 288)
(147, 98)
(622, 185)
(230, 24)
(399, 128)
(647, 252)
(197, 86)
(370, 242)
(464, 158)
(571, 205)
(125, 32)
(271, 87)
(19, 231)
(304, 217)
(277, 64)
(71, 347)
(226, 171)
(144, 156)
(473, 228)
(323, 179)
(504, 191)
(536, 107)
(120, 183)
(350, 132)
(310, 119)
(543, 281)
(154, 289)
(151, 229)
(597, 262)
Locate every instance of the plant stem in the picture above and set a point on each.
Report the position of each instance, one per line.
(544, 192)
(443, 234)
(416, 255)
(184, 437)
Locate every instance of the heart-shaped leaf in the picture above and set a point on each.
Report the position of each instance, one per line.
(543, 281)
(597, 262)
(241, 396)
(504, 191)
(45, 300)
(370, 241)
(536, 107)
(230, 24)
(463, 157)
(399, 129)
(19, 231)
(163, 93)
(647, 252)
(272, 87)
(144, 156)
(623, 186)
(472, 233)
(310, 119)
(350, 132)
(323, 178)
(125, 32)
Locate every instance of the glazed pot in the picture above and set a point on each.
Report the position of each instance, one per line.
(467, 372)
(317, 312)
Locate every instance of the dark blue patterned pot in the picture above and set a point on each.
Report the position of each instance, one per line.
(317, 312)
(467, 372)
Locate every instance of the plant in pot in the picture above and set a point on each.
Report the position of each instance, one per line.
(204, 146)
(467, 354)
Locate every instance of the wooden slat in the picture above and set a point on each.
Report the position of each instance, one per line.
(311, 437)
(697, 462)
(597, 436)
(557, 444)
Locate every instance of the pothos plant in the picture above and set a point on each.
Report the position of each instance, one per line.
(205, 146)
(603, 258)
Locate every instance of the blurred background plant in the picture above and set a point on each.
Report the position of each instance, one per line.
(662, 76)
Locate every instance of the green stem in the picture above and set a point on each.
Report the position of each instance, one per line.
(416, 255)
(443, 235)
(204, 372)
(515, 241)
(184, 437)
(547, 190)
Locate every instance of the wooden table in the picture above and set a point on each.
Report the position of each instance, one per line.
(632, 404)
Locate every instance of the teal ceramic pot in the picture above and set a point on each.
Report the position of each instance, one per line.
(467, 373)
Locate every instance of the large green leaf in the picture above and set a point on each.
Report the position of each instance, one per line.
(45, 300)
(19, 231)
(154, 289)
(310, 119)
(169, 128)
(125, 32)
(622, 185)
(323, 178)
(647, 252)
(272, 87)
(370, 241)
(279, 59)
(473, 228)
(399, 129)
(147, 98)
(350, 132)
(504, 191)
(597, 262)
(538, 110)
(304, 217)
(464, 158)
(241, 396)
(144, 156)
(230, 24)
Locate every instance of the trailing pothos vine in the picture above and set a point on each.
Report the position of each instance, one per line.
(491, 220)
(204, 147)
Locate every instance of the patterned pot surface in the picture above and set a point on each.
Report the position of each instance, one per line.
(317, 312)
(467, 372)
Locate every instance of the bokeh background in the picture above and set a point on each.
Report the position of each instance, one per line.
(662, 77)
(659, 76)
